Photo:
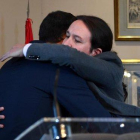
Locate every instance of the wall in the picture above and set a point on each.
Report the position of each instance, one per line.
(13, 16)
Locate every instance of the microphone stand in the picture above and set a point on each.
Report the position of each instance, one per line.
(56, 107)
(59, 131)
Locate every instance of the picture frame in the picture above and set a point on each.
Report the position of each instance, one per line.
(130, 61)
(131, 79)
(127, 26)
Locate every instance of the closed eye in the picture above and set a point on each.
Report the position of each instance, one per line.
(77, 39)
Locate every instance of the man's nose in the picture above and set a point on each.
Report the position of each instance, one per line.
(68, 42)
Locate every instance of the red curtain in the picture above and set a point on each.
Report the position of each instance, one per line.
(28, 31)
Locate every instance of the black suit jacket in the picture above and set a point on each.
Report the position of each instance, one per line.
(26, 92)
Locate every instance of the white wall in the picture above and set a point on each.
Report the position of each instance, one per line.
(13, 16)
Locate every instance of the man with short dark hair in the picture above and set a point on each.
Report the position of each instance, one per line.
(52, 29)
(54, 26)
(26, 96)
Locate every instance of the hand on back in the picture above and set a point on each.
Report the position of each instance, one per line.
(15, 51)
(2, 117)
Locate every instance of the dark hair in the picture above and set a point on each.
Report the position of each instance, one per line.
(54, 26)
(101, 33)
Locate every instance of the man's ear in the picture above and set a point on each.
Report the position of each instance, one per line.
(96, 51)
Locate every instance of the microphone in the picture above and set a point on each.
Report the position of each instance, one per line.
(58, 131)
(56, 107)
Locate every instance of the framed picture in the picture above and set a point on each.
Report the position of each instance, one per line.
(127, 20)
(132, 80)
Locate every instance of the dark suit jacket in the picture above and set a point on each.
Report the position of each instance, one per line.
(26, 92)
(104, 73)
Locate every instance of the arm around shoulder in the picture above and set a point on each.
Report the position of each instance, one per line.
(105, 69)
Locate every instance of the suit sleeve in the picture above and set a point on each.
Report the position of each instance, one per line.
(101, 70)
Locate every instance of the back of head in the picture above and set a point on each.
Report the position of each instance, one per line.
(54, 26)
(101, 34)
